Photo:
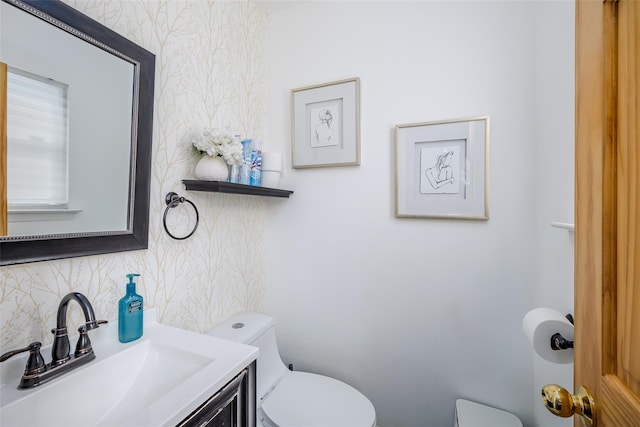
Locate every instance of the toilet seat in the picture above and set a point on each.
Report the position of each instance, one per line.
(302, 399)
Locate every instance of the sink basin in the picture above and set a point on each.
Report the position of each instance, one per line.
(154, 381)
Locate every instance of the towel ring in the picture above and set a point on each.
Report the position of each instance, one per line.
(172, 200)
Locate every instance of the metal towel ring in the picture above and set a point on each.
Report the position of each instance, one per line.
(172, 200)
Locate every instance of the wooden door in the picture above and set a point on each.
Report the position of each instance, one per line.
(607, 236)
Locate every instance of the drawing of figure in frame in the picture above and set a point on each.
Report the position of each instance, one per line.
(323, 131)
(438, 169)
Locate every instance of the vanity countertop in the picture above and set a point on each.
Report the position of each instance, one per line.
(157, 380)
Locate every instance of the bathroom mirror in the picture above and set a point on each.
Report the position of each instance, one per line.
(117, 137)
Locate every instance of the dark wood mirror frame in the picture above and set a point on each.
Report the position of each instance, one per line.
(67, 246)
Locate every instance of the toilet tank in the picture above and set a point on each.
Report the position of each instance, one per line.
(257, 330)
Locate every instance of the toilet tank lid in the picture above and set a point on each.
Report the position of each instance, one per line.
(243, 328)
(476, 415)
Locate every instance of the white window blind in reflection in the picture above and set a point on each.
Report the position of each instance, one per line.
(37, 133)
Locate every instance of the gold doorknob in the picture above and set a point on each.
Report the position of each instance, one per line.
(564, 404)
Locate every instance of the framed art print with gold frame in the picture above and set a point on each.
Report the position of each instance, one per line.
(325, 122)
(441, 169)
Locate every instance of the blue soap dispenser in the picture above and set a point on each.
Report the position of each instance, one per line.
(130, 313)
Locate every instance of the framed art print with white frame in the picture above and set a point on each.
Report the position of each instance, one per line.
(441, 169)
(325, 121)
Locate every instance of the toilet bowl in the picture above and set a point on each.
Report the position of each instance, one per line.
(472, 414)
(286, 398)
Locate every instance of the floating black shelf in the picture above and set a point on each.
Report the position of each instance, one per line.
(228, 187)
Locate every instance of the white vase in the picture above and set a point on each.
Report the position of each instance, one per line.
(212, 169)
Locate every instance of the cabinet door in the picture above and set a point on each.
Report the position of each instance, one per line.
(227, 417)
(231, 406)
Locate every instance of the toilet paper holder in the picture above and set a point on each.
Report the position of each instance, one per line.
(558, 342)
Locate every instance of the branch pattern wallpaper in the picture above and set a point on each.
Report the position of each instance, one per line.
(210, 60)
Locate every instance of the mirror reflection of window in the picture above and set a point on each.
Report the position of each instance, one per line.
(37, 132)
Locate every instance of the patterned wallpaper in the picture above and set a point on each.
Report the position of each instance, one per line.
(209, 72)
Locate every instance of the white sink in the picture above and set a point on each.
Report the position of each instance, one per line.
(154, 381)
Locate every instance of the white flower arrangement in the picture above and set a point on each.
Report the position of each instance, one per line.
(213, 142)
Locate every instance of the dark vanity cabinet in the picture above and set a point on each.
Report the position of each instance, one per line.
(232, 406)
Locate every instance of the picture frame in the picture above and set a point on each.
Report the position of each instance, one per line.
(325, 121)
(442, 169)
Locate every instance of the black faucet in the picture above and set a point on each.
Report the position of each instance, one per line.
(36, 371)
(60, 348)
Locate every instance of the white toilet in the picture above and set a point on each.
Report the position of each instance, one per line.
(289, 398)
(472, 414)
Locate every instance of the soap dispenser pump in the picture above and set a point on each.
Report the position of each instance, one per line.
(130, 313)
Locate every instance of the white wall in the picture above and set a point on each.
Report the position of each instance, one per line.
(414, 313)
(554, 142)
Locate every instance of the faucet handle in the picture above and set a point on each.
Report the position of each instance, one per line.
(94, 324)
(83, 346)
(35, 362)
